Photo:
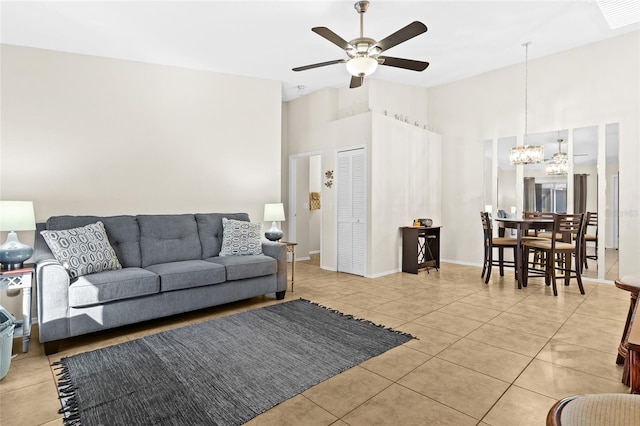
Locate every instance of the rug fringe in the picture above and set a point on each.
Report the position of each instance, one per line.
(67, 395)
(364, 320)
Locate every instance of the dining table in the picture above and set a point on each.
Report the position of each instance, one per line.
(522, 227)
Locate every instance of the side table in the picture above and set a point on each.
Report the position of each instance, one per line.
(21, 279)
(291, 248)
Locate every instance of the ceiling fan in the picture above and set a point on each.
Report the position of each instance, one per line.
(562, 156)
(365, 53)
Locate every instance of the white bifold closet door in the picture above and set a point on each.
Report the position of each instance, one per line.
(352, 211)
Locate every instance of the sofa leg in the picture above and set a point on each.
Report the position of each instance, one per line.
(280, 294)
(51, 348)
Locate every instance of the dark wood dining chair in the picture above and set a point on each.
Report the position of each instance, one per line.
(491, 243)
(560, 250)
(591, 222)
(630, 283)
(538, 215)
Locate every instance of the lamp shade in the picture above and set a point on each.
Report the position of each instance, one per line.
(17, 216)
(361, 66)
(273, 212)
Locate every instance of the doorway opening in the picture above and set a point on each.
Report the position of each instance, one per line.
(305, 205)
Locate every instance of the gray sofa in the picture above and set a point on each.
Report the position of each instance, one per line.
(170, 265)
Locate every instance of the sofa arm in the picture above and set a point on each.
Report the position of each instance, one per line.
(279, 252)
(52, 284)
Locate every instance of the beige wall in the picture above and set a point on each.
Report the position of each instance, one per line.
(403, 160)
(591, 85)
(89, 135)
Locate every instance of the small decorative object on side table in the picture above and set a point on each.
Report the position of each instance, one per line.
(291, 248)
(20, 279)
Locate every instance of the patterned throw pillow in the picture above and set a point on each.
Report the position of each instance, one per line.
(82, 251)
(240, 238)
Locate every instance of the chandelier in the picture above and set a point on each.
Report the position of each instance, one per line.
(526, 154)
(559, 164)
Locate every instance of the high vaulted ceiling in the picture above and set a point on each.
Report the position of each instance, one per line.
(267, 38)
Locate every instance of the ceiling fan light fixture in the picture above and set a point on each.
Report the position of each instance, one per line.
(361, 66)
(364, 52)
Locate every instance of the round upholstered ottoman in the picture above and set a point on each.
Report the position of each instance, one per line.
(605, 409)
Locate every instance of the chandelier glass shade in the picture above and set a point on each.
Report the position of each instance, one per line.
(559, 163)
(361, 66)
(526, 154)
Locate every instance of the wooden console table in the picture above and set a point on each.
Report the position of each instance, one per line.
(417, 241)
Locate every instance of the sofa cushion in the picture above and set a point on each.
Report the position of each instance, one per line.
(84, 250)
(123, 233)
(110, 286)
(168, 238)
(240, 238)
(210, 230)
(187, 274)
(241, 267)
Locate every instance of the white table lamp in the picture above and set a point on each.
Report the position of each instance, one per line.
(273, 213)
(15, 216)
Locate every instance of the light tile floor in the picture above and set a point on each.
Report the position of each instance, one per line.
(484, 354)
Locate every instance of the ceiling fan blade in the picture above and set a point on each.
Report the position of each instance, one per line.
(408, 64)
(320, 64)
(410, 31)
(332, 37)
(356, 82)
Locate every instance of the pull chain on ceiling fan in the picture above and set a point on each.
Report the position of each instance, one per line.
(365, 53)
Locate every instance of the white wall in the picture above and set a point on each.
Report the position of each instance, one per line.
(403, 160)
(590, 85)
(89, 135)
(307, 120)
(348, 133)
(408, 102)
(405, 185)
(506, 191)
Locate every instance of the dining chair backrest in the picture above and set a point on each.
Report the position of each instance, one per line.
(487, 228)
(592, 220)
(538, 215)
(568, 226)
(486, 221)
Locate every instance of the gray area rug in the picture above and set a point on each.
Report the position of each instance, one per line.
(220, 372)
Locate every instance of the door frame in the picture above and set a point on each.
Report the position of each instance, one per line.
(293, 173)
